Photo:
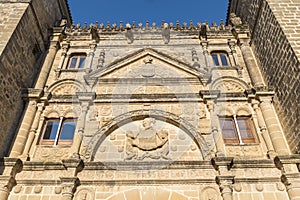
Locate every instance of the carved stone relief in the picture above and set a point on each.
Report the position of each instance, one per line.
(99, 137)
(227, 86)
(147, 143)
(209, 193)
(84, 194)
(66, 89)
(51, 154)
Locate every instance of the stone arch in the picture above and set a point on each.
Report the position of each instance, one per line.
(243, 111)
(51, 114)
(135, 115)
(146, 193)
(225, 111)
(71, 113)
(229, 84)
(66, 87)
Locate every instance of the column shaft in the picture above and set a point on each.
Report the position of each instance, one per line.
(263, 129)
(251, 65)
(273, 127)
(33, 129)
(43, 76)
(23, 132)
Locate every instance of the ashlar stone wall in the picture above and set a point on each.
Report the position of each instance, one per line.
(275, 34)
(24, 33)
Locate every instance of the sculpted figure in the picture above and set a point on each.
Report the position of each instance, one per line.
(235, 21)
(166, 33)
(129, 34)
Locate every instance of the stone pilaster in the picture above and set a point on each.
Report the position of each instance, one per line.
(91, 55)
(204, 45)
(272, 124)
(217, 135)
(233, 56)
(64, 49)
(209, 97)
(85, 100)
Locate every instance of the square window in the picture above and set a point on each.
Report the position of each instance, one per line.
(220, 59)
(77, 61)
(58, 132)
(237, 130)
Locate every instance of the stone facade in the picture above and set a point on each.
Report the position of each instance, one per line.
(24, 30)
(275, 34)
(140, 111)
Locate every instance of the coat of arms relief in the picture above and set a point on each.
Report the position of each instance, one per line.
(149, 142)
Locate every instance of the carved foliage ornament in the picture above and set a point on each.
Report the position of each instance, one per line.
(227, 86)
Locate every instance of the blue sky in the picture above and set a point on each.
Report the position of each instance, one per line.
(127, 11)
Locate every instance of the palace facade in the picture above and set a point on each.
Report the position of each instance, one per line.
(150, 111)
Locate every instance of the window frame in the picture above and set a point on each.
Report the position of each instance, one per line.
(57, 141)
(219, 58)
(240, 139)
(79, 56)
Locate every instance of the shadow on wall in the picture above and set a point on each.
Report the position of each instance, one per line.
(1, 166)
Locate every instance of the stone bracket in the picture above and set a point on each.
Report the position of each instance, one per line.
(76, 164)
(218, 162)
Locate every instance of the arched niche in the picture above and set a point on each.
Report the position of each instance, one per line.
(229, 84)
(66, 87)
(128, 128)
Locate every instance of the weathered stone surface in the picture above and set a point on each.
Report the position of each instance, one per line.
(275, 36)
(24, 32)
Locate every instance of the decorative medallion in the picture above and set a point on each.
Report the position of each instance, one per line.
(147, 143)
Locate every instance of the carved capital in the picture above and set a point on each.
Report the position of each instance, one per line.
(225, 183)
(69, 185)
(65, 47)
(93, 46)
(265, 100)
(255, 104)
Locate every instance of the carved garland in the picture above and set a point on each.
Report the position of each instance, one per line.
(125, 118)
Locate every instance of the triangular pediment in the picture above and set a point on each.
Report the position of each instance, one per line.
(147, 63)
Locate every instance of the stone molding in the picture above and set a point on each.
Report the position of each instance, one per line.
(110, 126)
